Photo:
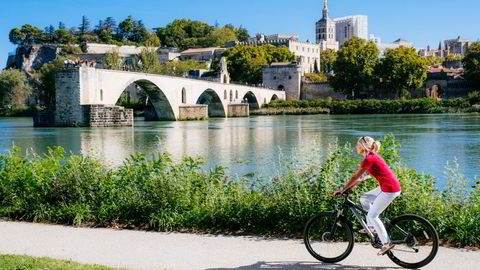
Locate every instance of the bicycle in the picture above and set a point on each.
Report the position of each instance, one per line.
(415, 238)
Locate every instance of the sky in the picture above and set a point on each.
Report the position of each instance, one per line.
(424, 22)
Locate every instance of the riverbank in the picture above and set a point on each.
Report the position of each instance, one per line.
(159, 194)
(399, 106)
(289, 111)
(17, 112)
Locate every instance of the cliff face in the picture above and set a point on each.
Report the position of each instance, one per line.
(29, 58)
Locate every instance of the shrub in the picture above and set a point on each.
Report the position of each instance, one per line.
(159, 194)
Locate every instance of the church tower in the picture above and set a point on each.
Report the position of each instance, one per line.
(326, 31)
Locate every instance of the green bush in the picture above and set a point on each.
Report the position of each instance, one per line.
(159, 194)
(474, 98)
(374, 106)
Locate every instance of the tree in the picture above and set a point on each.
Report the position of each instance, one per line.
(16, 36)
(327, 60)
(152, 40)
(184, 33)
(219, 37)
(354, 67)
(84, 26)
(26, 35)
(61, 26)
(14, 87)
(471, 63)
(401, 71)
(113, 60)
(242, 34)
(433, 60)
(245, 63)
(139, 32)
(125, 29)
(44, 81)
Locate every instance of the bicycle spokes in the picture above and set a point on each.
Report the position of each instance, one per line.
(415, 241)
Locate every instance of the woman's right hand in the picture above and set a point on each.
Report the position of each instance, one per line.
(338, 192)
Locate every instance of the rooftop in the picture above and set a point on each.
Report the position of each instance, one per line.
(200, 50)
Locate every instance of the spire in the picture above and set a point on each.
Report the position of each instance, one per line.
(325, 10)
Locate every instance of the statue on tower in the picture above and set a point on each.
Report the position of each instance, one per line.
(325, 10)
(224, 75)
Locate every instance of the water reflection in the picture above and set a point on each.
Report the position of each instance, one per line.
(263, 145)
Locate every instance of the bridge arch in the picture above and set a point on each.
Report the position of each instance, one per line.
(251, 99)
(215, 106)
(158, 106)
(274, 97)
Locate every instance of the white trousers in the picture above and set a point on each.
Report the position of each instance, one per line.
(375, 202)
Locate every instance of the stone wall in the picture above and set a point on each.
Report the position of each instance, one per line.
(193, 112)
(44, 118)
(283, 76)
(107, 116)
(238, 110)
(68, 93)
(314, 91)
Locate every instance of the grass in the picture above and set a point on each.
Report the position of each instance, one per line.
(14, 262)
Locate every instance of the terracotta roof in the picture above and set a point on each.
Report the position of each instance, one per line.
(200, 50)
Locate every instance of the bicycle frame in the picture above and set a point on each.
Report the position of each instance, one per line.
(359, 213)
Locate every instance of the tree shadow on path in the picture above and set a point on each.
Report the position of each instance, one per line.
(303, 265)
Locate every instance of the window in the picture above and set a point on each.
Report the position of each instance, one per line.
(236, 94)
(231, 95)
(289, 77)
(184, 95)
(225, 94)
(303, 49)
(274, 77)
(101, 94)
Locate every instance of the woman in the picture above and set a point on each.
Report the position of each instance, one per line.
(377, 200)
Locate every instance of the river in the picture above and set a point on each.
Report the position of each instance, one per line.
(262, 146)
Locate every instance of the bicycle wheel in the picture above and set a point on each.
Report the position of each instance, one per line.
(415, 239)
(327, 240)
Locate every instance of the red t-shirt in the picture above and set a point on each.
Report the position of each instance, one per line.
(376, 166)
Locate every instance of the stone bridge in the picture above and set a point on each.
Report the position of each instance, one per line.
(173, 98)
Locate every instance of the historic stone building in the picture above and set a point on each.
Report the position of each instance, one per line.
(284, 76)
(307, 54)
(457, 46)
(383, 47)
(326, 31)
(340, 30)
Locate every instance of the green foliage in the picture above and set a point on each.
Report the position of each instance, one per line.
(372, 106)
(471, 63)
(433, 60)
(219, 36)
(401, 71)
(327, 60)
(16, 262)
(316, 77)
(26, 35)
(150, 63)
(354, 67)
(113, 60)
(183, 33)
(44, 81)
(159, 194)
(245, 63)
(474, 97)
(14, 87)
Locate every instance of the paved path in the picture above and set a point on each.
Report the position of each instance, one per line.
(147, 250)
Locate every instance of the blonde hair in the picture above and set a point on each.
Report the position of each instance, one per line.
(369, 144)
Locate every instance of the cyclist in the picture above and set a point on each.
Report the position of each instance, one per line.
(377, 200)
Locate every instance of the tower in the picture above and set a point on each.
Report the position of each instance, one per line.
(325, 9)
(326, 31)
